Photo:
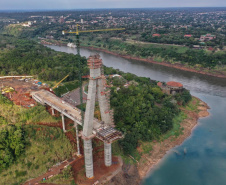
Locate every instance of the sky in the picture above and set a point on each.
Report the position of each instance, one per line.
(87, 4)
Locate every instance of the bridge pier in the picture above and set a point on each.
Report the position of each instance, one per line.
(53, 113)
(107, 154)
(77, 138)
(88, 150)
(63, 123)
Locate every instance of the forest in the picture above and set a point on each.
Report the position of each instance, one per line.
(21, 56)
(142, 111)
(173, 54)
(12, 144)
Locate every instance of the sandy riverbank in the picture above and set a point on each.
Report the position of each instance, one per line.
(150, 160)
(150, 60)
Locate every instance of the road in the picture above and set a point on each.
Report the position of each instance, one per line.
(51, 172)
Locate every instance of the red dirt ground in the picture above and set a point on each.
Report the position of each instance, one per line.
(100, 170)
(21, 95)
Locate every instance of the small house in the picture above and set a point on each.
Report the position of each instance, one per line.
(171, 87)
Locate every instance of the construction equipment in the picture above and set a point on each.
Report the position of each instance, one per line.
(60, 82)
(77, 32)
(7, 90)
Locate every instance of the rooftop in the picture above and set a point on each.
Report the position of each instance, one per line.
(174, 84)
(159, 84)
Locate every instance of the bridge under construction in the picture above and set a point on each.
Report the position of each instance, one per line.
(102, 129)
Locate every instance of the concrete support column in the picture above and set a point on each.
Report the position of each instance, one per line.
(107, 154)
(88, 153)
(77, 138)
(90, 106)
(103, 104)
(63, 123)
(53, 113)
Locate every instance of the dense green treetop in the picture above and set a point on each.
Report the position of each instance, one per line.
(28, 57)
(142, 111)
(12, 144)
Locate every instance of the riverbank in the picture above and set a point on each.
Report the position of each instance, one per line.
(164, 63)
(159, 149)
(133, 174)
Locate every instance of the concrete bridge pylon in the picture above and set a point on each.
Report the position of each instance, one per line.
(102, 129)
(95, 89)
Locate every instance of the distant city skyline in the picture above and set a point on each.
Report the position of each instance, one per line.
(90, 4)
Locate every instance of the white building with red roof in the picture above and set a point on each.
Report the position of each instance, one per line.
(171, 87)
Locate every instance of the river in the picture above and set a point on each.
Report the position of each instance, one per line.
(205, 159)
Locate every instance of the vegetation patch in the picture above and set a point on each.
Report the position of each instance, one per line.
(142, 111)
(37, 148)
(65, 177)
(14, 114)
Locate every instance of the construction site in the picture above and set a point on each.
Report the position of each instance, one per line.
(89, 164)
(18, 89)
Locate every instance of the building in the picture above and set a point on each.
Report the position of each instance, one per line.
(207, 37)
(61, 20)
(210, 49)
(49, 37)
(156, 35)
(25, 25)
(197, 47)
(187, 35)
(29, 23)
(171, 87)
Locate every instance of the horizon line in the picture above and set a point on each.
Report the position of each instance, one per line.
(67, 9)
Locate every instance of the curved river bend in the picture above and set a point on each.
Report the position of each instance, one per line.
(205, 160)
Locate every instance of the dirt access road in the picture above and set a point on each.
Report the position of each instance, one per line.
(51, 172)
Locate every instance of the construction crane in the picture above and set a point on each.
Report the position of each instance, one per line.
(59, 82)
(77, 32)
(87, 31)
